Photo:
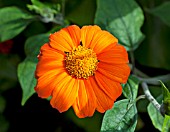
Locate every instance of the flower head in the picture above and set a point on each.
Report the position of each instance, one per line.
(82, 68)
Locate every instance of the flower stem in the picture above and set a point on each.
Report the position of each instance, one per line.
(149, 96)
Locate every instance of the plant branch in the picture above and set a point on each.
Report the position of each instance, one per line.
(140, 97)
(132, 60)
(154, 80)
(63, 8)
(149, 96)
(140, 73)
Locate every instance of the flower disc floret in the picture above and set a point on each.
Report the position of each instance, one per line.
(81, 62)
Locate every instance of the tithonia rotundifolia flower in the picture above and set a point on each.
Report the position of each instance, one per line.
(82, 68)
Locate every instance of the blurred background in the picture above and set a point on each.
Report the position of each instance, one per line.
(152, 57)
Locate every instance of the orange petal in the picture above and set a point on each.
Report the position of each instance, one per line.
(49, 59)
(116, 72)
(87, 34)
(101, 40)
(45, 83)
(86, 101)
(74, 32)
(65, 93)
(66, 38)
(104, 102)
(111, 88)
(49, 51)
(47, 64)
(116, 54)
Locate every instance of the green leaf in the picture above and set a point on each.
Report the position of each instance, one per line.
(124, 24)
(130, 90)
(35, 42)
(162, 12)
(156, 118)
(166, 100)
(13, 21)
(27, 79)
(38, 3)
(166, 94)
(166, 124)
(122, 117)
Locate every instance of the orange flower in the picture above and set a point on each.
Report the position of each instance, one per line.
(82, 68)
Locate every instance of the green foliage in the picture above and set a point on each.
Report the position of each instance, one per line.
(166, 99)
(122, 18)
(124, 24)
(47, 11)
(166, 93)
(156, 117)
(27, 79)
(122, 117)
(166, 124)
(13, 21)
(35, 42)
(162, 12)
(130, 90)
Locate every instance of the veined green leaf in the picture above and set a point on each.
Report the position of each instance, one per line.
(166, 99)
(166, 124)
(13, 21)
(124, 24)
(166, 94)
(122, 117)
(130, 89)
(27, 79)
(156, 118)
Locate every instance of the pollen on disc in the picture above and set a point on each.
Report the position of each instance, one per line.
(81, 62)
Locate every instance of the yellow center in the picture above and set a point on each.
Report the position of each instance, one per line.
(81, 62)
